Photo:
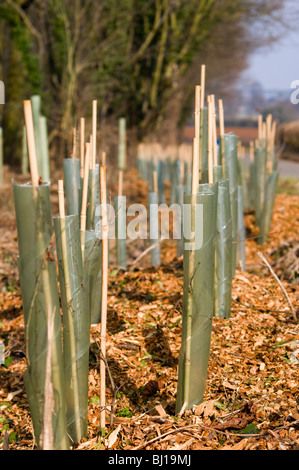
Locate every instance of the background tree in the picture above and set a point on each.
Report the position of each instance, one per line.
(138, 58)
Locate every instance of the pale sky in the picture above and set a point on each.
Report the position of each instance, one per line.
(277, 66)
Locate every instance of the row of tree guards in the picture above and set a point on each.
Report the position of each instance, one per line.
(208, 181)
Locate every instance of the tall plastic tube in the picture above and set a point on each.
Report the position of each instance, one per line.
(76, 323)
(37, 268)
(198, 298)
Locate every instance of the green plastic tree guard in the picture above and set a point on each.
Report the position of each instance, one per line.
(223, 252)
(25, 167)
(251, 185)
(37, 268)
(71, 172)
(122, 144)
(160, 178)
(243, 181)
(179, 219)
(198, 298)
(76, 323)
(36, 112)
(44, 148)
(203, 148)
(259, 182)
(121, 230)
(154, 229)
(93, 199)
(267, 212)
(230, 142)
(241, 251)
(93, 274)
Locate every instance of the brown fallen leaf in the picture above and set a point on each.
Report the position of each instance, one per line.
(239, 446)
(112, 437)
(234, 423)
(246, 416)
(150, 388)
(206, 409)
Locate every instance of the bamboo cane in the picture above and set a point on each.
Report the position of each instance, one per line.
(221, 118)
(214, 132)
(264, 134)
(82, 146)
(61, 199)
(104, 295)
(104, 158)
(197, 112)
(210, 140)
(94, 133)
(202, 86)
(31, 142)
(84, 198)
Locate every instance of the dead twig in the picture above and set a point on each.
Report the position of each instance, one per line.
(280, 284)
(173, 431)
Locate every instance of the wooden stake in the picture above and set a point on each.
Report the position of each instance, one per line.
(202, 86)
(82, 146)
(264, 133)
(91, 167)
(221, 118)
(103, 192)
(155, 179)
(31, 142)
(84, 198)
(214, 131)
(210, 141)
(94, 133)
(61, 199)
(104, 157)
(197, 112)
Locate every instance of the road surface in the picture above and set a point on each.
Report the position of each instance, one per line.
(288, 169)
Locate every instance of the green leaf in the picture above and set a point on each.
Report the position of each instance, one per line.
(95, 400)
(13, 436)
(8, 361)
(125, 413)
(249, 429)
(219, 405)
